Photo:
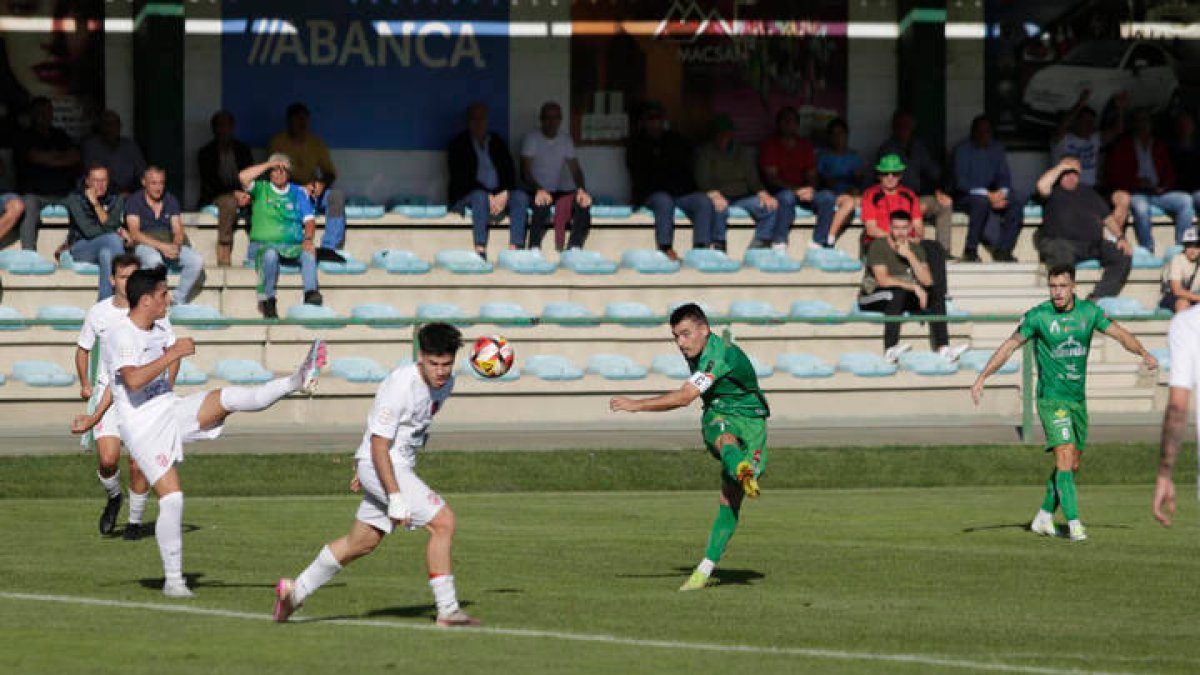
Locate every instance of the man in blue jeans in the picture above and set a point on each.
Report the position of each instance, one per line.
(96, 216)
(282, 226)
(1141, 164)
(483, 178)
(728, 173)
(153, 218)
(984, 190)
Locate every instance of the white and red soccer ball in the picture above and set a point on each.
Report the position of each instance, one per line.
(491, 356)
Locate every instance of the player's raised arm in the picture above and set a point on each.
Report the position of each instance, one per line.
(999, 358)
(136, 377)
(680, 398)
(1131, 344)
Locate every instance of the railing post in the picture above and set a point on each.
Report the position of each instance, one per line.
(1027, 391)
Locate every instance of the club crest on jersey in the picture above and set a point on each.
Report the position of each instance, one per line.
(1054, 327)
(1060, 413)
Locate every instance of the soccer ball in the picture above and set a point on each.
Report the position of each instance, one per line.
(491, 356)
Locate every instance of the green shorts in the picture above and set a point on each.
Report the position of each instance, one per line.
(1065, 422)
(751, 433)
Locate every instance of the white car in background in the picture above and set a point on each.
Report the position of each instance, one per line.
(1106, 67)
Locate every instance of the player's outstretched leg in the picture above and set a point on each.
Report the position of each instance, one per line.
(220, 403)
(108, 471)
(1043, 522)
(722, 531)
(139, 492)
(290, 594)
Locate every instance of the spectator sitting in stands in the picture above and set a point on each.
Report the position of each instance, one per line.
(152, 217)
(1179, 280)
(220, 162)
(1141, 165)
(11, 209)
(1077, 224)
(544, 155)
(922, 174)
(842, 175)
(727, 173)
(312, 168)
(896, 279)
(482, 178)
(282, 225)
(96, 218)
(1185, 157)
(789, 167)
(984, 191)
(47, 166)
(660, 171)
(108, 148)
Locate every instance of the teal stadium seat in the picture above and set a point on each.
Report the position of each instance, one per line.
(67, 262)
(242, 371)
(710, 261)
(441, 311)
(1172, 250)
(1145, 260)
(1118, 307)
(461, 261)
(25, 262)
(552, 368)
(504, 314)
(1088, 264)
(1164, 357)
(54, 211)
(673, 366)
(814, 309)
(953, 309)
(62, 312)
(416, 206)
(568, 314)
(804, 213)
(1033, 211)
(761, 370)
(770, 260)
(606, 207)
(10, 314)
(927, 363)
(402, 362)
(194, 316)
(976, 360)
(631, 314)
(615, 367)
(210, 210)
(831, 260)
(580, 261)
(737, 212)
(649, 261)
(512, 375)
(362, 208)
(189, 374)
(351, 265)
(302, 312)
(865, 364)
(397, 261)
(357, 369)
(803, 365)
(41, 374)
(754, 311)
(525, 262)
(375, 311)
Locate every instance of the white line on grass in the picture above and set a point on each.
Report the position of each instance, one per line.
(834, 654)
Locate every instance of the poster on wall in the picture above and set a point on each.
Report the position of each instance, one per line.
(1045, 57)
(376, 75)
(744, 58)
(55, 49)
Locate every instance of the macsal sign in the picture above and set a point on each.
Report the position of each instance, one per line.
(386, 76)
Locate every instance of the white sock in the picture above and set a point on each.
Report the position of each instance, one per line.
(443, 593)
(1043, 515)
(322, 569)
(1075, 523)
(169, 533)
(112, 484)
(137, 506)
(706, 567)
(253, 399)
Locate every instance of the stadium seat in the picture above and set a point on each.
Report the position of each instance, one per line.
(580, 261)
(357, 369)
(416, 206)
(927, 363)
(568, 314)
(615, 367)
(242, 371)
(831, 260)
(1164, 357)
(351, 265)
(462, 262)
(855, 310)
(1172, 250)
(504, 314)
(193, 316)
(525, 262)
(737, 212)
(649, 261)
(976, 360)
(1118, 307)
(673, 366)
(753, 311)
(397, 261)
(210, 210)
(631, 314)
(512, 375)
(189, 374)
(441, 311)
(407, 200)
(1088, 264)
(803, 365)
(770, 260)
(41, 374)
(761, 370)
(7, 314)
(54, 211)
(710, 261)
(953, 309)
(381, 312)
(803, 213)
(304, 311)
(16, 261)
(67, 262)
(1145, 260)
(552, 368)
(402, 362)
(362, 208)
(1033, 211)
(607, 207)
(865, 364)
(62, 312)
(813, 309)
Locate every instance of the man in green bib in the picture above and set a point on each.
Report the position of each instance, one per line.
(734, 423)
(1062, 329)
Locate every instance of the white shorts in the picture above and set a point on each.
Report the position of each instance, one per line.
(108, 426)
(423, 503)
(155, 439)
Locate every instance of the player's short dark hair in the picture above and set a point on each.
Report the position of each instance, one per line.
(1059, 270)
(688, 311)
(439, 339)
(296, 108)
(143, 282)
(899, 214)
(125, 260)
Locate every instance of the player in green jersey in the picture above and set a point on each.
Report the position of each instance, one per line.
(1062, 329)
(734, 423)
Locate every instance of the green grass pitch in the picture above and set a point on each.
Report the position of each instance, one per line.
(927, 572)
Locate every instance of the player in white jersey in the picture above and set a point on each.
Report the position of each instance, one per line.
(1183, 338)
(155, 423)
(107, 438)
(393, 494)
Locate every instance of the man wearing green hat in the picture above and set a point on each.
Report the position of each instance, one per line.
(923, 174)
(727, 172)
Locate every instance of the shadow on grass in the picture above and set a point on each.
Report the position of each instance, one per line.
(146, 531)
(196, 580)
(724, 577)
(410, 611)
(1061, 529)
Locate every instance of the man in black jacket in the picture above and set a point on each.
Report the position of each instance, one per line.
(97, 216)
(220, 161)
(482, 177)
(661, 173)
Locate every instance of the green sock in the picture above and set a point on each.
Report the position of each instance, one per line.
(1065, 480)
(722, 532)
(731, 456)
(1050, 503)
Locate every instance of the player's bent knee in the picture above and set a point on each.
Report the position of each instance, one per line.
(444, 523)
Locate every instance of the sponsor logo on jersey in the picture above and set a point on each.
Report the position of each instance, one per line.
(1069, 348)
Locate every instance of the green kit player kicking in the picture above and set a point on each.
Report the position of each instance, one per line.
(734, 424)
(1063, 330)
